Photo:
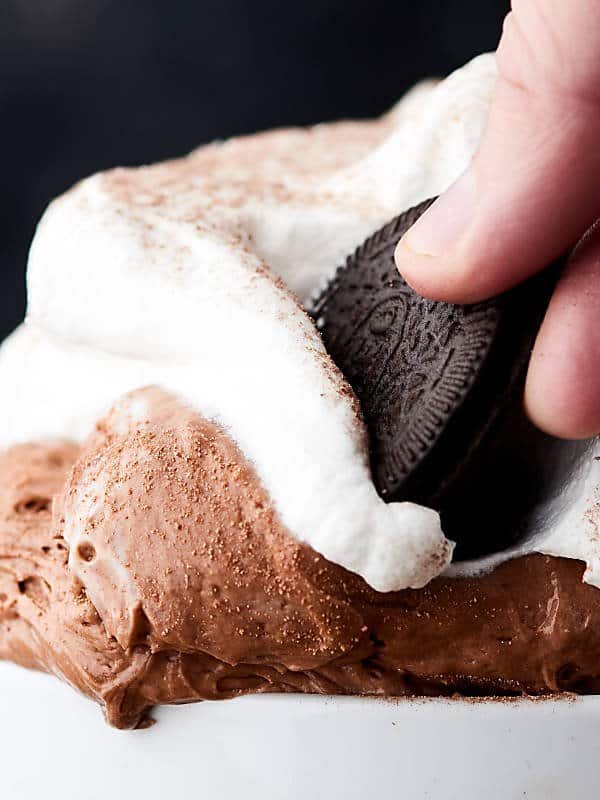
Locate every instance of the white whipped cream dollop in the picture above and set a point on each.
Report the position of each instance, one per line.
(185, 275)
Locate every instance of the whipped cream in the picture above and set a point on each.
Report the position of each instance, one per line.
(185, 275)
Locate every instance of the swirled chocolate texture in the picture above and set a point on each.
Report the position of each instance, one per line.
(181, 584)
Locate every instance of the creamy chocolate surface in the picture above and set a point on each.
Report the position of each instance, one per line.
(150, 567)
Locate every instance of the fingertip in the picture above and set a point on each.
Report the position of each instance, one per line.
(441, 278)
(426, 254)
(417, 270)
(562, 392)
(555, 412)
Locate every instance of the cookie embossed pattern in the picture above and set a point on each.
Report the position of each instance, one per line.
(441, 387)
(409, 360)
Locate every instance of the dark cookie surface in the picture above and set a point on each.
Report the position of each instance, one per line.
(411, 361)
(441, 389)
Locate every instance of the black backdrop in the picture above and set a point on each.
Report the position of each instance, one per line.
(88, 84)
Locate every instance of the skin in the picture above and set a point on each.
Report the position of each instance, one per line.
(530, 194)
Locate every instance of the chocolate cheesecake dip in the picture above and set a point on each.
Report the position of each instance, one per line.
(187, 504)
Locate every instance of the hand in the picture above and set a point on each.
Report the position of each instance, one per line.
(532, 190)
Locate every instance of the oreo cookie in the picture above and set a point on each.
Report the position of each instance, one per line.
(441, 389)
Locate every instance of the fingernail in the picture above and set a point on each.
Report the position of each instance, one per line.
(443, 224)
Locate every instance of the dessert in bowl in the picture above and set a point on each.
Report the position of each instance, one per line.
(187, 508)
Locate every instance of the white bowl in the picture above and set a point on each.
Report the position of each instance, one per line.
(54, 744)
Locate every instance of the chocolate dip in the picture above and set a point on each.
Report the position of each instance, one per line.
(180, 584)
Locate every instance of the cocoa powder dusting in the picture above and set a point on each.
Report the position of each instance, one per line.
(184, 585)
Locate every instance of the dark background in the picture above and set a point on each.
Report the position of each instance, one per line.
(89, 84)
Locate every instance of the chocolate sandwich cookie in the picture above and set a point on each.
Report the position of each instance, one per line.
(441, 388)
